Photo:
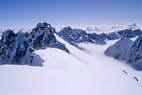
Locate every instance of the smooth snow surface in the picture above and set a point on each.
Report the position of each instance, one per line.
(87, 72)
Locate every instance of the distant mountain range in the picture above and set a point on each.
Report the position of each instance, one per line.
(17, 46)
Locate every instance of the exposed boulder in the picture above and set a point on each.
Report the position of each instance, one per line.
(135, 54)
(120, 49)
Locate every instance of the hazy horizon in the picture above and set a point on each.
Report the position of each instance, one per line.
(59, 13)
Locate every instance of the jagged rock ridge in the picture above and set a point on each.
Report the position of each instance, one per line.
(98, 38)
(74, 36)
(42, 36)
(17, 48)
(130, 33)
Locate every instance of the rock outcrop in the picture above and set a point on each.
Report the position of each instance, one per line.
(135, 54)
(15, 49)
(120, 49)
(42, 36)
(113, 36)
(98, 38)
(74, 36)
(129, 33)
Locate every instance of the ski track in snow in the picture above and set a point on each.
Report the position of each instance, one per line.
(99, 49)
(126, 69)
(103, 61)
(87, 72)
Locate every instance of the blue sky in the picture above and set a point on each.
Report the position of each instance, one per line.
(65, 12)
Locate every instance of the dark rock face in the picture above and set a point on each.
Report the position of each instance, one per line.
(113, 36)
(43, 36)
(101, 38)
(56, 44)
(98, 38)
(135, 54)
(15, 49)
(74, 36)
(129, 33)
(120, 49)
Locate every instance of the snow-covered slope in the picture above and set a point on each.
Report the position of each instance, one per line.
(87, 72)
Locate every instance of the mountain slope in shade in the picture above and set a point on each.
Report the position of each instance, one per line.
(119, 50)
(15, 49)
(135, 54)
